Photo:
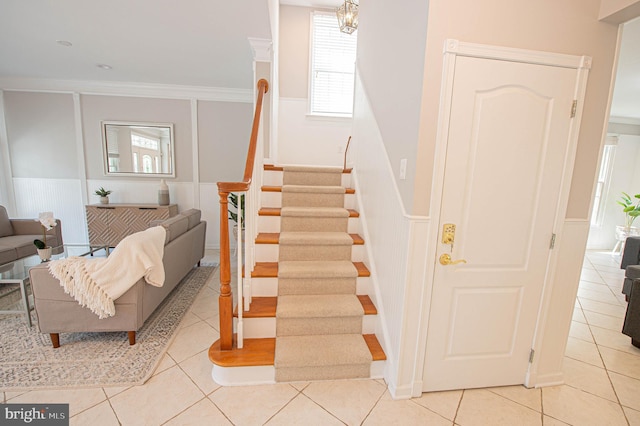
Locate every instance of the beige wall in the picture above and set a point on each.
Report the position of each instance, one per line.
(619, 11)
(41, 135)
(119, 108)
(569, 27)
(294, 51)
(223, 132)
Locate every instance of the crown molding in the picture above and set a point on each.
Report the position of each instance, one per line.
(110, 88)
(261, 49)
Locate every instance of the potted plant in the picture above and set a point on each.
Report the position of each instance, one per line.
(631, 209)
(48, 222)
(104, 195)
(233, 212)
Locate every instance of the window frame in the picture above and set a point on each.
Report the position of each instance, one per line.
(603, 182)
(310, 97)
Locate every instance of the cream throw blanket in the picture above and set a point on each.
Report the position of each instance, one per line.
(96, 283)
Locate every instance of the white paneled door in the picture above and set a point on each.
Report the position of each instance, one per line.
(508, 137)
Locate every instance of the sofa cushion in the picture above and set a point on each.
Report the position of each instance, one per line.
(5, 224)
(193, 215)
(7, 253)
(23, 244)
(175, 227)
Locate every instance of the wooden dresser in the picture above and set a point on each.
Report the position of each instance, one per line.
(109, 223)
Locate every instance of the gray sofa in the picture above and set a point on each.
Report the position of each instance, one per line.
(17, 235)
(58, 312)
(631, 289)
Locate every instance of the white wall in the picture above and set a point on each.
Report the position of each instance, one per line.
(391, 49)
(625, 176)
(303, 139)
(310, 140)
(396, 249)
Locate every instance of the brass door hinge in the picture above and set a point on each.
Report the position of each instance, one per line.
(574, 107)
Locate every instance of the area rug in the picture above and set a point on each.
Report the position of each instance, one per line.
(29, 362)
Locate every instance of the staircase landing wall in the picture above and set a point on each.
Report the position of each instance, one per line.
(396, 250)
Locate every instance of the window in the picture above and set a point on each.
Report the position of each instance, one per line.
(602, 185)
(333, 58)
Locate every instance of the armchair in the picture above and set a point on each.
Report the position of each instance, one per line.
(17, 235)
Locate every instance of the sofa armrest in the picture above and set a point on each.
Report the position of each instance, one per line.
(58, 312)
(33, 227)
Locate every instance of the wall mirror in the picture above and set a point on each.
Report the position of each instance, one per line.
(138, 149)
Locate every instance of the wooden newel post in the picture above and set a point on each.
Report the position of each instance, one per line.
(225, 301)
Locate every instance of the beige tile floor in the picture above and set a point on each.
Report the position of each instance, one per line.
(602, 382)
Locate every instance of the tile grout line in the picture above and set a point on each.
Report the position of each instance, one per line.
(615, 392)
(373, 407)
(455, 416)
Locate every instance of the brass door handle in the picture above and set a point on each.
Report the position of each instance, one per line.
(445, 259)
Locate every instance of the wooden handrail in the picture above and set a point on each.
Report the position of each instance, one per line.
(225, 302)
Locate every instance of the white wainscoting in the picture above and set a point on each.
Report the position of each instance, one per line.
(61, 196)
(64, 198)
(210, 206)
(396, 250)
(142, 191)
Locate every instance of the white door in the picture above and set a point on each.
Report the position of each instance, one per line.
(508, 137)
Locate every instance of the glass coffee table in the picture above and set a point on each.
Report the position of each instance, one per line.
(17, 273)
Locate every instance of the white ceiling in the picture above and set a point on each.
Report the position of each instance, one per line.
(186, 42)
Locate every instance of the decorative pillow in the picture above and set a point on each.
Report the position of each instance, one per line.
(5, 225)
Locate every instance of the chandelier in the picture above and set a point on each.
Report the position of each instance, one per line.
(348, 16)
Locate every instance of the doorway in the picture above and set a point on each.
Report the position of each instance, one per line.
(492, 264)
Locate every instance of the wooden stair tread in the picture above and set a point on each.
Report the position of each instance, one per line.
(260, 352)
(270, 270)
(265, 307)
(374, 347)
(274, 238)
(273, 188)
(255, 352)
(362, 269)
(275, 211)
(261, 307)
(367, 304)
(272, 168)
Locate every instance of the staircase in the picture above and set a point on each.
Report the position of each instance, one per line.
(310, 317)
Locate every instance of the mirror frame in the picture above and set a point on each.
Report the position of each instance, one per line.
(105, 152)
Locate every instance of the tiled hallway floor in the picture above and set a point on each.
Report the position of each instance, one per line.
(602, 382)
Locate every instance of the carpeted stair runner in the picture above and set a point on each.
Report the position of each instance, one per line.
(312, 196)
(314, 219)
(316, 277)
(318, 315)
